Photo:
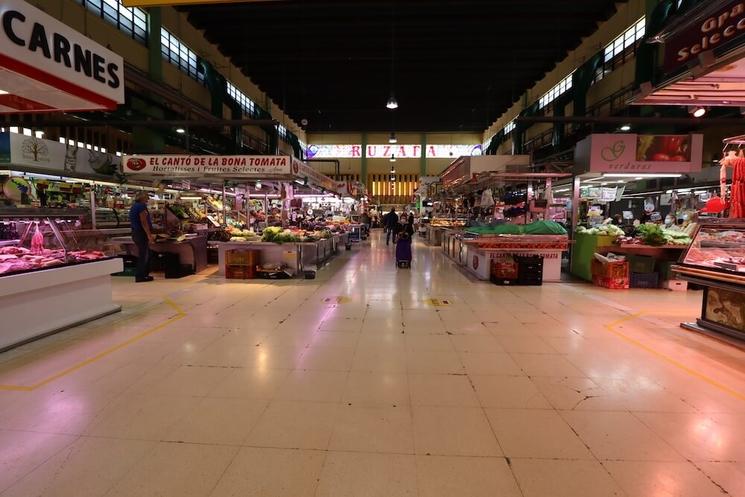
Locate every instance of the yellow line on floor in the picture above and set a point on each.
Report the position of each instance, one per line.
(180, 314)
(724, 388)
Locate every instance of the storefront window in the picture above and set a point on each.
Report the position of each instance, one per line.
(130, 20)
(179, 54)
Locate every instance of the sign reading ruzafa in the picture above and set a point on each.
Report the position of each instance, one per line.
(36, 45)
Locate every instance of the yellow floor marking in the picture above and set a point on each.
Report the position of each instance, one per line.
(180, 314)
(724, 388)
(438, 302)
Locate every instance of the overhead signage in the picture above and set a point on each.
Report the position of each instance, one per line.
(401, 151)
(159, 3)
(35, 46)
(643, 154)
(260, 166)
(50, 157)
(722, 27)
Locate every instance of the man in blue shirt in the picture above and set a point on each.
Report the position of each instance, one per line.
(142, 235)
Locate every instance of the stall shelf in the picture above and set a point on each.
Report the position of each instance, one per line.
(715, 261)
(192, 250)
(42, 290)
(481, 252)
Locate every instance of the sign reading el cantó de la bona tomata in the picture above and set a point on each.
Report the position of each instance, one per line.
(47, 65)
(722, 27)
(228, 166)
(643, 154)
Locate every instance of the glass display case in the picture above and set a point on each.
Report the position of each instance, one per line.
(715, 261)
(33, 239)
(717, 247)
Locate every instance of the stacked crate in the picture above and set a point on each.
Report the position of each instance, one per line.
(613, 274)
(241, 264)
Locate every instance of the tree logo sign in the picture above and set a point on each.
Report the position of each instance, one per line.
(35, 150)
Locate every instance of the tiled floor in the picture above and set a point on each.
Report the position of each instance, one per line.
(357, 384)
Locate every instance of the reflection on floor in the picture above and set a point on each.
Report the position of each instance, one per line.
(376, 381)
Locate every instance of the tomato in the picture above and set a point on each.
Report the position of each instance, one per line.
(679, 158)
(659, 157)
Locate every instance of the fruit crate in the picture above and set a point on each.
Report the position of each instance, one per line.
(645, 280)
(239, 273)
(612, 269)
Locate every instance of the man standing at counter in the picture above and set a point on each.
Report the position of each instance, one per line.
(142, 235)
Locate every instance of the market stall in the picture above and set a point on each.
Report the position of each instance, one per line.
(44, 268)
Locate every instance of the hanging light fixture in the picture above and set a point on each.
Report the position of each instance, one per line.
(392, 138)
(258, 185)
(697, 111)
(392, 103)
(392, 159)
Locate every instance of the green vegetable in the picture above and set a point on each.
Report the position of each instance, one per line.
(652, 234)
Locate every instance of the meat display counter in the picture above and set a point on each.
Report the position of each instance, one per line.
(49, 279)
(715, 260)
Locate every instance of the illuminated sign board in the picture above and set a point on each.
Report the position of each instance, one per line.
(401, 151)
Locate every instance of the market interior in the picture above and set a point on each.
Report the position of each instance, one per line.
(410, 248)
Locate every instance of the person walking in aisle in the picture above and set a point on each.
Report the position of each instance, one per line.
(142, 235)
(410, 224)
(391, 226)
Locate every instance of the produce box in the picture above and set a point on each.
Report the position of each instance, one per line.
(641, 263)
(585, 246)
(675, 285)
(611, 283)
(644, 280)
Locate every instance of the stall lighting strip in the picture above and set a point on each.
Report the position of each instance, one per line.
(641, 175)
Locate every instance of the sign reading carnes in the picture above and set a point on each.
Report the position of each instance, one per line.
(723, 26)
(258, 166)
(66, 69)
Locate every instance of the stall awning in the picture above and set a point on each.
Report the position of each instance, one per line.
(465, 168)
(702, 58)
(47, 66)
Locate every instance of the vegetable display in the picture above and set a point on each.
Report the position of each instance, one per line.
(603, 230)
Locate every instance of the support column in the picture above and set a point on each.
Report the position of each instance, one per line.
(154, 56)
(363, 161)
(423, 157)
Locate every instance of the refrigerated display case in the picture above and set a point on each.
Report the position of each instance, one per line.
(51, 277)
(715, 260)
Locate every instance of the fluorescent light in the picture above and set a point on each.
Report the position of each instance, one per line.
(641, 176)
(625, 127)
(190, 198)
(180, 131)
(3, 92)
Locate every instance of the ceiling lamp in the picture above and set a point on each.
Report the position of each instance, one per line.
(697, 111)
(392, 103)
(392, 159)
(625, 127)
(392, 138)
(258, 185)
(180, 131)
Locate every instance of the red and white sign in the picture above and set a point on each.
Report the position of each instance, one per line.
(256, 166)
(644, 154)
(46, 65)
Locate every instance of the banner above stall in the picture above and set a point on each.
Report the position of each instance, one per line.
(247, 167)
(45, 65)
(643, 154)
(37, 155)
